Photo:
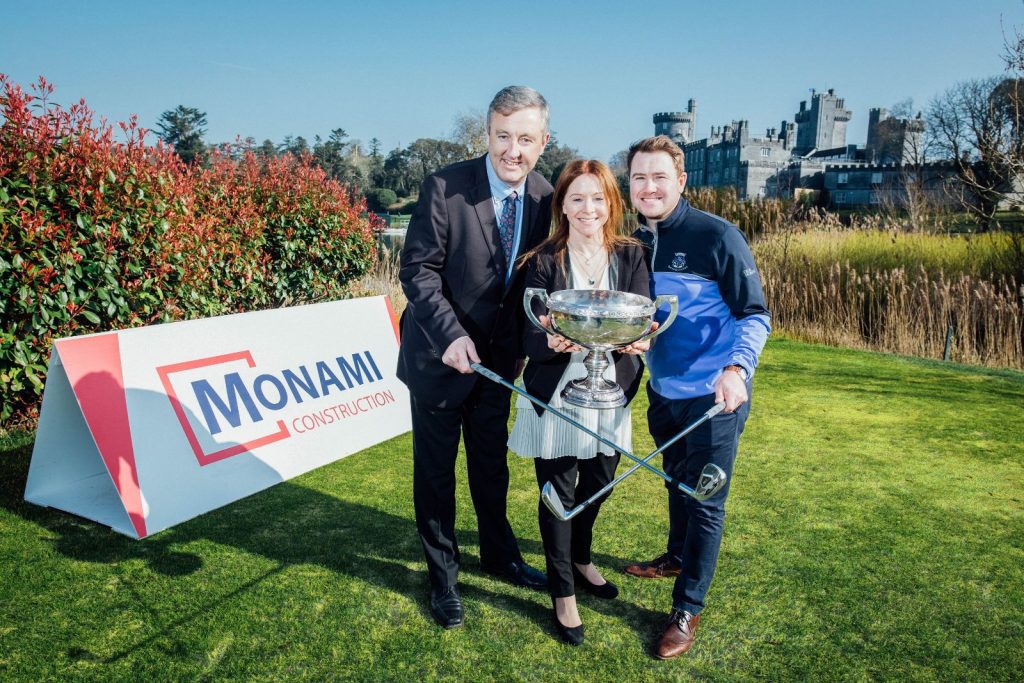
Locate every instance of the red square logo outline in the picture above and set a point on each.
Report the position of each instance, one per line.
(165, 371)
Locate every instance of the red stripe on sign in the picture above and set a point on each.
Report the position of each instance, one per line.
(394, 319)
(93, 366)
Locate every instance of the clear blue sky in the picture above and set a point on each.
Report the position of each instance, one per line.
(402, 70)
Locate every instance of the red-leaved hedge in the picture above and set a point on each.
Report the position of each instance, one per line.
(99, 232)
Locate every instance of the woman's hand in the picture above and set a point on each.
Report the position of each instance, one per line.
(557, 342)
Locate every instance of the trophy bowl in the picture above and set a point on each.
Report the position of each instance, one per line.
(600, 320)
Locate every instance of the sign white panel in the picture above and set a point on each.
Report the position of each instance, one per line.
(175, 420)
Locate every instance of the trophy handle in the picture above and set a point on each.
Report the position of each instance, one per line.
(528, 297)
(673, 301)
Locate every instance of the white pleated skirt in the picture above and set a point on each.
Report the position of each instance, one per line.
(549, 436)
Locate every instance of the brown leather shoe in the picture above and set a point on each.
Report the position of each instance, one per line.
(677, 637)
(658, 568)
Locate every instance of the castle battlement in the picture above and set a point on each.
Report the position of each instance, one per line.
(678, 125)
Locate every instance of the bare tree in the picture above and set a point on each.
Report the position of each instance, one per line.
(976, 125)
(469, 129)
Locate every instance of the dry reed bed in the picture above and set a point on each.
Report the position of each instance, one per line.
(382, 278)
(895, 291)
(890, 310)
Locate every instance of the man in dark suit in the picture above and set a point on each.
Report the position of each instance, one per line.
(464, 292)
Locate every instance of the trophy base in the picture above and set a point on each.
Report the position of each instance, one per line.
(602, 394)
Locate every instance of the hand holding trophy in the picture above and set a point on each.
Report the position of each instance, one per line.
(600, 320)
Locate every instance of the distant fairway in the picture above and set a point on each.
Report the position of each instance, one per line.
(875, 532)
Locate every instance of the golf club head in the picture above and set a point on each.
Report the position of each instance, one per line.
(552, 502)
(712, 479)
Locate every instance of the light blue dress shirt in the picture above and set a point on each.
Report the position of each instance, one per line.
(499, 191)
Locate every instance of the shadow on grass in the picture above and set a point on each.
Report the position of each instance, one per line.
(290, 525)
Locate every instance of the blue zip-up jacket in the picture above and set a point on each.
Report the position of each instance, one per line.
(723, 319)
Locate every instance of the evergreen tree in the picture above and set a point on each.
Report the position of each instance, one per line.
(183, 128)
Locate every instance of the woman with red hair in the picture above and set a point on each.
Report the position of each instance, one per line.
(585, 250)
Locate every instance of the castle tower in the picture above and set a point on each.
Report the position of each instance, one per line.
(892, 140)
(678, 125)
(823, 125)
(875, 116)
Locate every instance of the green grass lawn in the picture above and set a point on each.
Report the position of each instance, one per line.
(875, 531)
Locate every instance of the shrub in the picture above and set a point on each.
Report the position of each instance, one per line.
(380, 198)
(99, 234)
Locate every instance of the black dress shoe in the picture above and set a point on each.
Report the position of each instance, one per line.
(607, 590)
(518, 573)
(446, 607)
(570, 635)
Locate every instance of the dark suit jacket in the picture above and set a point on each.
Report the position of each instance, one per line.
(453, 275)
(546, 366)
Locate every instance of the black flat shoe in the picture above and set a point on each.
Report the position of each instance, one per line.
(446, 607)
(569, 635)
(607, 590)
(518, 573)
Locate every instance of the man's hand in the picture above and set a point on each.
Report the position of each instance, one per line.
(459, 354)
(638, 347)
(557, 342)
(731, 388)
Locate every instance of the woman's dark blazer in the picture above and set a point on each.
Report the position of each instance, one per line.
(545, 368)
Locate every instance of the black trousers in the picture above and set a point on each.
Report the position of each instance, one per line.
(569, 541)
(482, 420)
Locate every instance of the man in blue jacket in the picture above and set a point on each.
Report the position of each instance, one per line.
(708, 356)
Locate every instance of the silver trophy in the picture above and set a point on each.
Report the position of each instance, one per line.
(600, 320)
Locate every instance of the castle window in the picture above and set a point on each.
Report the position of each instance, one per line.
(766, 151)
(876, 178)
(839, 197)
(843, 178)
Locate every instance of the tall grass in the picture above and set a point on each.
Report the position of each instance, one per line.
(754, 217)
(901, 311)
(899, 292)
(869, 247)
(382, 278)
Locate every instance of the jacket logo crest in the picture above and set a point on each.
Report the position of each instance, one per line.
(678, 262)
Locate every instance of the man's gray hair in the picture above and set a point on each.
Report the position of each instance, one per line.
(515, 98)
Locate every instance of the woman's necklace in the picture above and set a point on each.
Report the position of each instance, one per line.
(592, 266)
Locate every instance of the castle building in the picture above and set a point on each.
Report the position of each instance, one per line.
(732, 157)
(809, 154)
(866, 184)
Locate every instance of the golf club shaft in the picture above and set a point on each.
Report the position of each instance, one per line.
(714, 410)
(495, 377)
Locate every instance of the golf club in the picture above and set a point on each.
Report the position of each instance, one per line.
(710, 480)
